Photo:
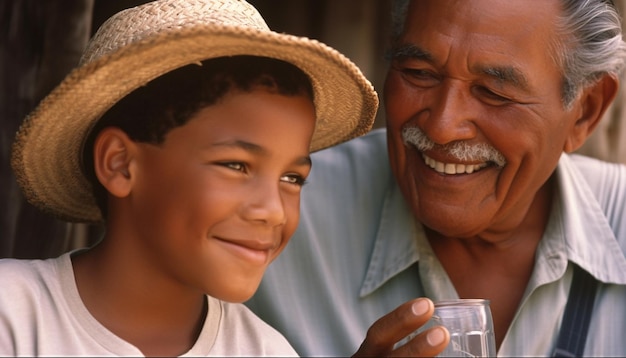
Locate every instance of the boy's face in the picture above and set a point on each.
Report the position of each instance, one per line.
(218, 201)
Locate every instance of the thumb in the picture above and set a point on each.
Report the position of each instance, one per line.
(395, 326)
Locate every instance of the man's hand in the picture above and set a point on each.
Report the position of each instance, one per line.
(383, 335)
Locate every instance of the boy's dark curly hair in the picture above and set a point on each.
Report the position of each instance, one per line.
(150, 112)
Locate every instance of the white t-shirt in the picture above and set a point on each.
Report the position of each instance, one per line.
(41, 313)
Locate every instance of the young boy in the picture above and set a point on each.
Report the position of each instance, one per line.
(187, 130)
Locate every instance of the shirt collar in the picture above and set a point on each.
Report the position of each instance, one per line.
(589, 240)
(575, 219)
(394, 247)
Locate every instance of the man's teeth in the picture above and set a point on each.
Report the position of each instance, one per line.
(451, 168)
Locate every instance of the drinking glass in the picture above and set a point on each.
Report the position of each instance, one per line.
(470, 325)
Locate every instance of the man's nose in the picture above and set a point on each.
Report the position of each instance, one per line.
(451, 113)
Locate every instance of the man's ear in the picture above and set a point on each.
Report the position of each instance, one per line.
(594, 101)
(114, 161)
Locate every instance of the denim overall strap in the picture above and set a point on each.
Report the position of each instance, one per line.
(573, 334)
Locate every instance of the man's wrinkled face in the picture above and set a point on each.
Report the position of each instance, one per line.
(474, 113)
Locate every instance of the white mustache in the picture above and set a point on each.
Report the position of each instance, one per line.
(458, 150)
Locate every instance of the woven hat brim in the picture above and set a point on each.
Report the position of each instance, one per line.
(46, 153)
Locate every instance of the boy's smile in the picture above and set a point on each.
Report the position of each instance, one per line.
(249, 250)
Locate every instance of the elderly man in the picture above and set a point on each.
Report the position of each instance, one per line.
(470, 192)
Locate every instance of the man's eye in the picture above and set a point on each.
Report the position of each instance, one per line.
(491, 96)
(417, 73)
(294, 179)
(420, 77)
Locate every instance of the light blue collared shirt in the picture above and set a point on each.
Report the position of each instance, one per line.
(358, 254)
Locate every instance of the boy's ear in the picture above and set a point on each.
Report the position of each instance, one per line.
(595, 100)
(113, 161)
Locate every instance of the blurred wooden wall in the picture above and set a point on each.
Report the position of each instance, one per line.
(40, 41)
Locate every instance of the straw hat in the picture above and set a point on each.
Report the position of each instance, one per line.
(144, 42)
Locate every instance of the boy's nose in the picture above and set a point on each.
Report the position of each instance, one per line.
(265, 205)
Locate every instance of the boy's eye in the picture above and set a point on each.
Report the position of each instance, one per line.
(294, 179)
(235, 166)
